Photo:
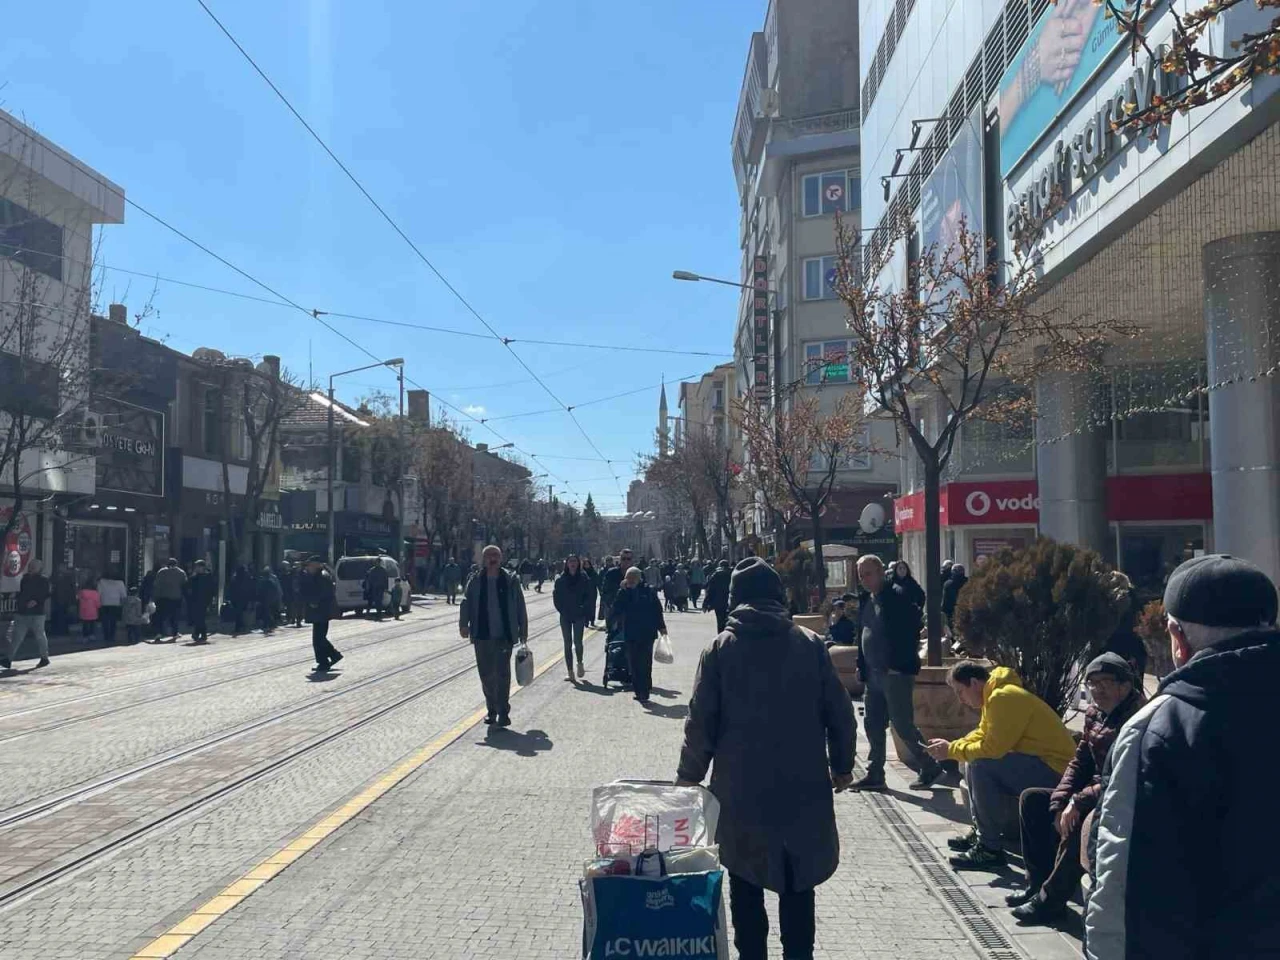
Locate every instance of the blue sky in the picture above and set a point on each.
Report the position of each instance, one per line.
(556, 159)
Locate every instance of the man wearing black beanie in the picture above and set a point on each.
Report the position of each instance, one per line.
(769, 712)
(1187, 849)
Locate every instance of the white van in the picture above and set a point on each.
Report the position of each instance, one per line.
(349, 578)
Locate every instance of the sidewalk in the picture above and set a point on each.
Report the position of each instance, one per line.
(478, 853)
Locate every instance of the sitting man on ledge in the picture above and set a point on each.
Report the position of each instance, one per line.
(1020, 742)
(1052, 819)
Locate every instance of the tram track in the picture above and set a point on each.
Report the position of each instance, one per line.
(88, 853)
(178, 676)
(256, 669)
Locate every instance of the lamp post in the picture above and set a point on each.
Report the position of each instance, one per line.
(394, 362)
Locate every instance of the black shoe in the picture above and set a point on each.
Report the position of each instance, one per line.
(979, 857)
(871, 783)
(335, 658)
(928, 777)
(1019, 897)
(44, 662)
(961, 844)
(322, 666)
(6, 665)
(504, 721)
(1040, 913)
(489, 719)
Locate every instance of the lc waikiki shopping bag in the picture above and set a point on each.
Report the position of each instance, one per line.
(672, 916)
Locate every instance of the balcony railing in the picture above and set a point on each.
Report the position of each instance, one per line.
(831, 122)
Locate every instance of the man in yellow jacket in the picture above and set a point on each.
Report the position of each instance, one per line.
(1020, 743)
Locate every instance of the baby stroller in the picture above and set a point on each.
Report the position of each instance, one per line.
(615, 658)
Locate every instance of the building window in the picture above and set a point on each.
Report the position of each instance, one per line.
(826, 361)
(31, 240)
(718, 402)
(28, 387)
(212, 432)
(839, 191)
(820, 275)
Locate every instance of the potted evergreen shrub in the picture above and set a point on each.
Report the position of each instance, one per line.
(1045, 611)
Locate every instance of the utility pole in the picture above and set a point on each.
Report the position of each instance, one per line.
(329, 474)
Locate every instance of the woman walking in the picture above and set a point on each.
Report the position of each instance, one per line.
(593, 575)
(573, 597)
(112, 593)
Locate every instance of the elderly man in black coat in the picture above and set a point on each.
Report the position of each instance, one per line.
(769, 712)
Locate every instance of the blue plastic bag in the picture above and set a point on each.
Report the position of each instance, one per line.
(673, 916)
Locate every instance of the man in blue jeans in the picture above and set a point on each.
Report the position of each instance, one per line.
(33, 594)
(888, 662)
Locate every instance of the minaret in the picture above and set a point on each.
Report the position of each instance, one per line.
(662, 421)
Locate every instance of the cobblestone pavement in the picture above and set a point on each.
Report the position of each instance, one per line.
(123, 899)
(477, 853)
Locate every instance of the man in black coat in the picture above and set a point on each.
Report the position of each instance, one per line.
(888, 662)
(717, 597)
(201, 589)
(611, 583)
(375, 587)
(637, 611)
(770, 713)
(320, 593)
(1186, 841)
(574, 598)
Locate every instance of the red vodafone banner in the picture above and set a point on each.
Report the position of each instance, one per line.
(908, 513)
(1004, 502)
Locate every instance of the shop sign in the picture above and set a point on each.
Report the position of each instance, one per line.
(129, 447)
(269, 517)
(1179, 496)
(995, 502)
(760, 325)
(1076, 159)
(908, 512)
(17, 550)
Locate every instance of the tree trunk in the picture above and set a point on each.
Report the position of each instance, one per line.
(933, 559)
(819, 565)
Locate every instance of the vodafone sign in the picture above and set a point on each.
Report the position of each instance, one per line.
(995, 503)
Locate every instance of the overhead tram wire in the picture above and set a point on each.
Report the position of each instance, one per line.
(316, 315)
(505, 341)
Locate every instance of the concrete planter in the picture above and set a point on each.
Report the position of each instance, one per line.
(845, 660)
(811, 621)
(938, 712)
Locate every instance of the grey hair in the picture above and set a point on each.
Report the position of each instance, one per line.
(870, 560)
(494, 547)
(1199, 636)
(35, 566)
(637, 571)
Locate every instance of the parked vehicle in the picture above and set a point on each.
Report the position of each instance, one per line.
(349, 576)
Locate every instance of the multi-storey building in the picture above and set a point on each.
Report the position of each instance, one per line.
(797, 163)
(980, 108)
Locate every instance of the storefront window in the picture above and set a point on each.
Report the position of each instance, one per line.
(1149, 554)
(1161, 417)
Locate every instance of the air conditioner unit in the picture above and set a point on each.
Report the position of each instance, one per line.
(769, 103)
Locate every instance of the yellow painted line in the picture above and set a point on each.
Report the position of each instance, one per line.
(177, 936)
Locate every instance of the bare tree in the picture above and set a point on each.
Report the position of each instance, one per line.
(796, 451)
(962, 333)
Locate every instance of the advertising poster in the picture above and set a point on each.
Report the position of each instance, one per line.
(17, 550)
(1072, 39)
(952, 194)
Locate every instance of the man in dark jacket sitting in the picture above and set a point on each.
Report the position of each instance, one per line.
(1052, 819)
(888, 662)
(769, 712)
(1187, 847)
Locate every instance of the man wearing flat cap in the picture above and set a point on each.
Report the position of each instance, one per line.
(1188, 852)
(1052, 819)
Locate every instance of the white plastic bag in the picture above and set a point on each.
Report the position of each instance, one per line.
(629, 816)
(662, 652)
(524, 665)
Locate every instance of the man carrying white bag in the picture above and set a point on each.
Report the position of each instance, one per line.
(772, 720)
(654, 887)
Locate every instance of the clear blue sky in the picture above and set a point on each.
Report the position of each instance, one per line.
(555, 158)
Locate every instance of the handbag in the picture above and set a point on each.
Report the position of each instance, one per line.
(524, 664)
(662, 652)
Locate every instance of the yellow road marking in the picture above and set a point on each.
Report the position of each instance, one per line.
(177, 936)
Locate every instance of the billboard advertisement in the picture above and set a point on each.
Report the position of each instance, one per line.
(1071, 41)
(952, 193)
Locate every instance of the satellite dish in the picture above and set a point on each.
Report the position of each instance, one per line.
(872, 518)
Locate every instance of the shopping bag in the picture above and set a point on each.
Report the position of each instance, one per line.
(630, 816)
(673, 916)
(524, 665)
(662, 652)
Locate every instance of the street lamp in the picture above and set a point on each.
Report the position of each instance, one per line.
(695, 277)
(394, 362)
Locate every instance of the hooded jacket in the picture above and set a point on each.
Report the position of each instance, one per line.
(1186, 843)
(769, 716)
(717, 597)
(1015, 720)
(1082, 781)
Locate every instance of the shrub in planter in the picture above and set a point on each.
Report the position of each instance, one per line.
(1045, 611)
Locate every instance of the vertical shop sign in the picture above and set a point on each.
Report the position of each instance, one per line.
(760, 324)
